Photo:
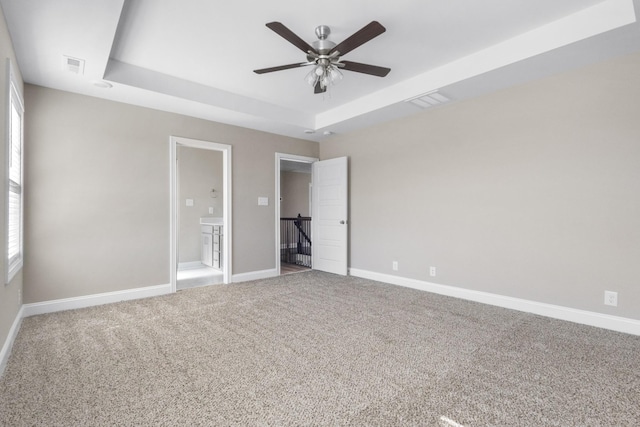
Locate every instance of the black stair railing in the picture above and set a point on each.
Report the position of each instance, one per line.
(295, 240)
(304, 241)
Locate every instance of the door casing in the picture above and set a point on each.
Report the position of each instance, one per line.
(295, 158)
(174, 142)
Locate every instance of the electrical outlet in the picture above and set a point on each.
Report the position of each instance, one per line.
(432, 271)
(395, 265)
(611, 298)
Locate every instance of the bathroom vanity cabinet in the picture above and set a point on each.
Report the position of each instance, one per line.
(212, 236)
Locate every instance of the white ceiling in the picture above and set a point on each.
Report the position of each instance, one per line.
(196, 57)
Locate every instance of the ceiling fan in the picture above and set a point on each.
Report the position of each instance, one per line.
(324, 55)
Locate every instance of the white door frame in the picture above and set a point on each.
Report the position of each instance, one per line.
(294, 158)
(175, 141)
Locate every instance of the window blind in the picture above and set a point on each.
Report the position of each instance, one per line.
(14, 193)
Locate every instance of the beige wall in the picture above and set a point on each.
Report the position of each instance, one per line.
(97, 200)
(10, 294)
(531, 192)
(199, 171)
(294, 190)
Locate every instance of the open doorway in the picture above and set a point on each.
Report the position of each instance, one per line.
(294, 185)
(200, 213)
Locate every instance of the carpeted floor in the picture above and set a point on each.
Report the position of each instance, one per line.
(316, 349)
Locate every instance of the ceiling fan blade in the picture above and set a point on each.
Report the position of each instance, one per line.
(319, 89)
(291, 37)
(360, 37)
(282, 67)
(374, 70)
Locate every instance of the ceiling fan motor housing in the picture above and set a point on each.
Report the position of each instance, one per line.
(323, 31)
(322, 45)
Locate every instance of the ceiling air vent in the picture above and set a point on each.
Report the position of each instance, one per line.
(429, 100)
(72, 65)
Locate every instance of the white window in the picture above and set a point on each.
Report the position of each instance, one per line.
(14, 181)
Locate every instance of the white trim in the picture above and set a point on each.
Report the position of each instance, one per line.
(190, 265)
(311, 197)
(173, 214)
(95, 299)
(615, 323)
(256, 275)
(8, 344)
(295, 158)
(174, 141)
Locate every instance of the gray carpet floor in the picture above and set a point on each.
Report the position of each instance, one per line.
(316, 349)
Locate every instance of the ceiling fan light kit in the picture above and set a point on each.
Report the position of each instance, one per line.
(325, 56)
(324, 75)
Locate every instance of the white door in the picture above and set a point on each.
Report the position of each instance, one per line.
(330, 216)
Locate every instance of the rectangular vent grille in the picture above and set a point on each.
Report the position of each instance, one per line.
(73, 65)
(428, 100)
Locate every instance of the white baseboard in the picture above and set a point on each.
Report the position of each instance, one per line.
(190, 265)
(254, 275)
(8, 344)
(615, 323)
(93, 300)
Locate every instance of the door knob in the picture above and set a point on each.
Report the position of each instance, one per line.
(342, 222)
